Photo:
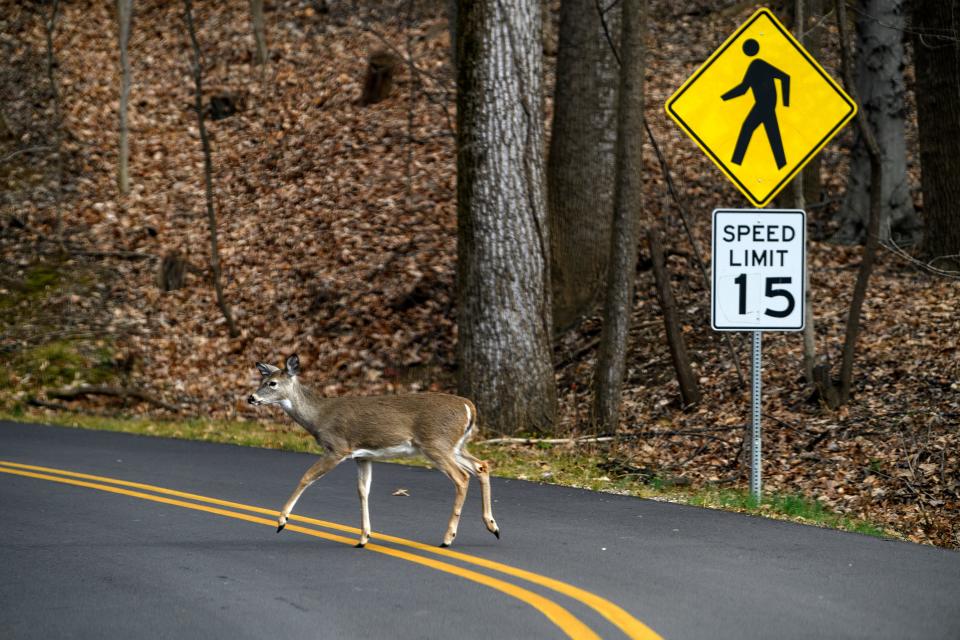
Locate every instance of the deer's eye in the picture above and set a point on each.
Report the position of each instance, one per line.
(273, 384)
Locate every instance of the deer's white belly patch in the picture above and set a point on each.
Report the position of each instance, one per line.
(398, 451)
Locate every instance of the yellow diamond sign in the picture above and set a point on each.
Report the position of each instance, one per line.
(761, 107)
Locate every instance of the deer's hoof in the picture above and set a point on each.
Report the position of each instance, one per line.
(497, 533)
(360, 545)
(444, 545)
(280, 527)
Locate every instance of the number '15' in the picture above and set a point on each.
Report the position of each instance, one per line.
(770, 292)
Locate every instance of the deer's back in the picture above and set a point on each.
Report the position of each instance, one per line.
(381, 422)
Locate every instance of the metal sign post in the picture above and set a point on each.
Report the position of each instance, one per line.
(755, 458)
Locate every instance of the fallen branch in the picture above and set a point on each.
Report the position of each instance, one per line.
(575, 356)
(123, 255)
(77, 250)
(10, 156)
(117, 392)
(898, 251)
(547, 440)
(609, 438)
(35, 402)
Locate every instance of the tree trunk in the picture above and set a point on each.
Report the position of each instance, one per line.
(875, 204)
(689, 390)
(503, 348)
(50, 27)
(813, 29)
(124, 12)
(628, 199)
(880, 85)
(580, 165)
(937, 55)
(259, 31)
(207, 171)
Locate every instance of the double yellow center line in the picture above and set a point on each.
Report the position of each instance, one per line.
(558, 615)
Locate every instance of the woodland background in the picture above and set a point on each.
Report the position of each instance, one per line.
(333, 168)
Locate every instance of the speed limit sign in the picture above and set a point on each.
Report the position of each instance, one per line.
(759, 259)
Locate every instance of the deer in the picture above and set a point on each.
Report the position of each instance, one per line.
(366, 428)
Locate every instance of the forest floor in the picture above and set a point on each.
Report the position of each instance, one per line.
(337, 227)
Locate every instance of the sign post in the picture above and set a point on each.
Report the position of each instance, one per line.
(756, 461)
(761, 108)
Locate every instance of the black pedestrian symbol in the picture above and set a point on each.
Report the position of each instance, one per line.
(759, 78)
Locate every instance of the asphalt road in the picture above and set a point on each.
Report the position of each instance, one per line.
(87, 557)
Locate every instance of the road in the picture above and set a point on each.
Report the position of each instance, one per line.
(177, 539)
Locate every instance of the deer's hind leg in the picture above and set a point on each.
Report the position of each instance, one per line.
(481, 469)
(461, 480)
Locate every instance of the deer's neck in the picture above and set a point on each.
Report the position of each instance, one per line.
(304, 406)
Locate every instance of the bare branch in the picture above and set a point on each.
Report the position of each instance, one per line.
(10, 156)
(117, 392)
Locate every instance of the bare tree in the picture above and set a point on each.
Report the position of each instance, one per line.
(50, 27)
(503, 348)
(628, 199)
(259, 31)
(124, 13)
(197, 68)
(937, 54)
(880, 85)
(580, 165)
(689, 389)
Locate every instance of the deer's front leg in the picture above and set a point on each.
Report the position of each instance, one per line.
(319, 469)
(460, 481)
(364, 475)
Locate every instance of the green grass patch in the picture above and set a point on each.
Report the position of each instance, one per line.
(33, 284)
(39, 277)
(793, 507)
(245, 433)
(37, 352)
(57, 364)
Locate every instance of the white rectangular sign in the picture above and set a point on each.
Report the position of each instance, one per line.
(759, 258)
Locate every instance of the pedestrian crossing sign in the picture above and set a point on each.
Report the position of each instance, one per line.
(761, 107)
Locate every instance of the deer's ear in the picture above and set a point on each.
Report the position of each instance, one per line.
(293, 365)
(266, 369)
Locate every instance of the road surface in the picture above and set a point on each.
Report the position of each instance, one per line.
(107, 535)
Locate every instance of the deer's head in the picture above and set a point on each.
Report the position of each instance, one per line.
(276, 385)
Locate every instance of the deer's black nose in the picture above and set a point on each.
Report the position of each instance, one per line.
(251, 400)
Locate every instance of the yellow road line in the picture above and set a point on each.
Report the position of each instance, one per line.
(570, 625)
(617, 616)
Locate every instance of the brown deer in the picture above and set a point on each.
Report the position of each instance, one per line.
(436, 425)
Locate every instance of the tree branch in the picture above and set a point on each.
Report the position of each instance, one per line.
(117, 392)
(13, 154)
